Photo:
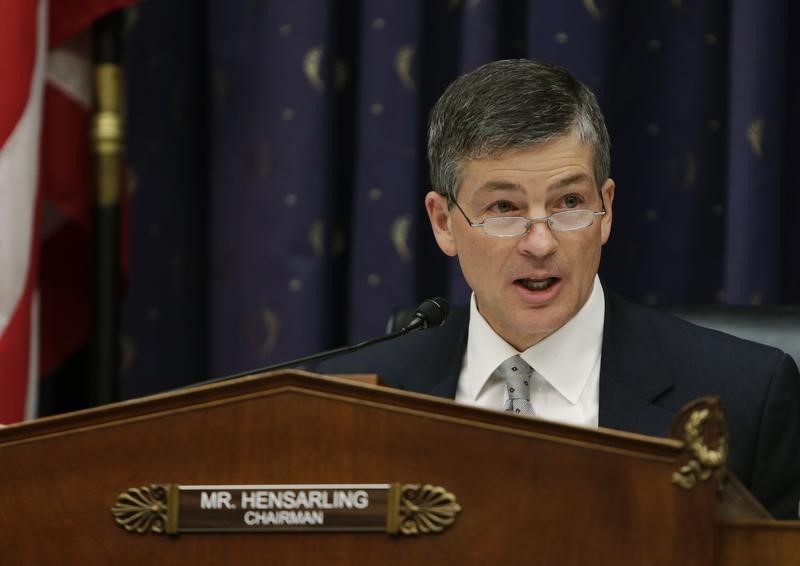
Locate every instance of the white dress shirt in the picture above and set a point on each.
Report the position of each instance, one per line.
(566, 379)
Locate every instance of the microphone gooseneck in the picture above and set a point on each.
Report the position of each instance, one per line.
(429, 314)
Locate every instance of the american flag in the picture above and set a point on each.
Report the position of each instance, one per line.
(45, 190)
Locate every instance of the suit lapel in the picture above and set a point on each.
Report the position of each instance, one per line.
(633, 372)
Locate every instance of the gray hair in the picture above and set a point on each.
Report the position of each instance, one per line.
(510, 105)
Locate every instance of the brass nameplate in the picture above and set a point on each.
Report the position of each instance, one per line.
(407, 509)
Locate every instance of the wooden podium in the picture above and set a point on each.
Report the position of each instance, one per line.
(529, 491)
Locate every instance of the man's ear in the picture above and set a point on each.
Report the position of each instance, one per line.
(608, 201)
(441, 222)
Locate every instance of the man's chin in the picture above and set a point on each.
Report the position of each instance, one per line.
(536, 326)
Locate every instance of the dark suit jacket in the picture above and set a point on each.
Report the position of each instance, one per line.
(652, 364)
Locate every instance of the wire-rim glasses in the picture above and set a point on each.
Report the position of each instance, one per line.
(512, 226)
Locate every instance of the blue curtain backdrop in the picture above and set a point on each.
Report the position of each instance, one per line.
(277, 161)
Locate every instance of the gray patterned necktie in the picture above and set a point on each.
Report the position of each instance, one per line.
(517, 375)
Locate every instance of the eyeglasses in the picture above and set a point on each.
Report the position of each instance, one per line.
(512, 226)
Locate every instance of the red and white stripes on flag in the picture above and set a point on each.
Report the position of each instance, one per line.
(23, 26)
(45, 189)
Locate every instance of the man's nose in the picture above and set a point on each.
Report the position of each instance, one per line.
(539, 240)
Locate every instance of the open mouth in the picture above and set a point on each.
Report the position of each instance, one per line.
(537, 284)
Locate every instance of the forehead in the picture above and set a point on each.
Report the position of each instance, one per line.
(541, 166)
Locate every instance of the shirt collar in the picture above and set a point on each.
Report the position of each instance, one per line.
(564, 359)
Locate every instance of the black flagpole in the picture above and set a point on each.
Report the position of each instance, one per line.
(107, 146)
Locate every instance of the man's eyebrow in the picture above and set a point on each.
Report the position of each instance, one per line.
(576, 179)
(499, 185)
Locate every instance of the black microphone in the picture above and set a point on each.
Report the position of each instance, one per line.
(429, 314)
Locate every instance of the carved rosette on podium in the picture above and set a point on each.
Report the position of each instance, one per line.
(398, 509)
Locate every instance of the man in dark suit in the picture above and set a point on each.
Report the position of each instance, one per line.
(519, 158)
